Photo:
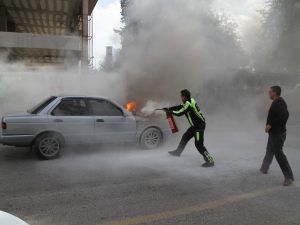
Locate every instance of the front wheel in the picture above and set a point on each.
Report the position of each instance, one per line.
(48, 146)
(151, 138)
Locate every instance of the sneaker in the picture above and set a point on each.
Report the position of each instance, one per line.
(288, 182)
(263, 171)
(208, 164)
(174, 153)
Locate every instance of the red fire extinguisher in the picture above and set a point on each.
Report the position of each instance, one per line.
(172, 123)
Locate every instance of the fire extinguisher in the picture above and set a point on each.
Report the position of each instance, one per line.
(171, 121)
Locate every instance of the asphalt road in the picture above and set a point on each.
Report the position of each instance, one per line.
(124, 185)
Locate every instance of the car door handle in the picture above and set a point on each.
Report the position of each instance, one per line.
(99, 120)
(58, 121)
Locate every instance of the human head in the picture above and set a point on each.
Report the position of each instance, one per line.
(274, 92)
(185, 95)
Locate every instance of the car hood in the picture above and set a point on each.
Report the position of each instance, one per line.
(147, 121)
(140, 119)
(6, 218)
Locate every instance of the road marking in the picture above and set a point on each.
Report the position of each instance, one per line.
(197, 208)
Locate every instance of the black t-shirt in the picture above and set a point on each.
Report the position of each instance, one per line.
(278, 116)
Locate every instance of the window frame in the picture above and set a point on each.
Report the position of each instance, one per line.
(38, 108)
(72, 98)
(103, 99)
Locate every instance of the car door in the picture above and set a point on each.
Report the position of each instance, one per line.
(71, 117)
(111, 124)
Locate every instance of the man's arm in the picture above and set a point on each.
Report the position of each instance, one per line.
(179, 110)
(175, 108)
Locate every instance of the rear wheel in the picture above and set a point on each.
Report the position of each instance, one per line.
(151, 138)
(48, 146)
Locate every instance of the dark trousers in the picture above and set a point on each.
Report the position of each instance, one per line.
(274, 148)
(199, 142)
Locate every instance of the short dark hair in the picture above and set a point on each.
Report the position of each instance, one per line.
(276, 89)
(186, 93)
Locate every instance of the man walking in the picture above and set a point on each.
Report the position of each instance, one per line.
(190, 109)
(276, 128)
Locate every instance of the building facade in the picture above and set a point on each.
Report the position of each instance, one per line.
(47, 32)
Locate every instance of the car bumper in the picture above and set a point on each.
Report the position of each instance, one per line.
(16, 140)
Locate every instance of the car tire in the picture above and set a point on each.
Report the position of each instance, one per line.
(48, 146)
(151, 138)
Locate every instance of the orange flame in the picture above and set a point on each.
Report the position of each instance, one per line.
(131, 106)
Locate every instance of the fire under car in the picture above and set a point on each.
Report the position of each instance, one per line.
(61, 120)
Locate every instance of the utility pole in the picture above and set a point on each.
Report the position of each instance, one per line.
(85, 35)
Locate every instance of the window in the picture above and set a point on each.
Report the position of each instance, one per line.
(104, 108)
(71, 107)
(39, 107)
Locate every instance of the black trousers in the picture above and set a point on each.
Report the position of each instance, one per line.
(274, 148)
(199, 142)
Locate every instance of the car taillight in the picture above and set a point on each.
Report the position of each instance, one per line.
(3, 125)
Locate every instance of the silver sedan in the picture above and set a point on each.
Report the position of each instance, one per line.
(60, 120)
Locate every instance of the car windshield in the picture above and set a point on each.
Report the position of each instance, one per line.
(39, 107)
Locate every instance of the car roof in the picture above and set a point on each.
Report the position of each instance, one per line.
(96, 97)
(84, 96)
(79, 96)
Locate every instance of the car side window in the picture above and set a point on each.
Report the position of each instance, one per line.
(71, 107)
(104, 108)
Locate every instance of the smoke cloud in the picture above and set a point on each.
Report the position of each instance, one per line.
(166, 46)
(171, 45)
(21, 88)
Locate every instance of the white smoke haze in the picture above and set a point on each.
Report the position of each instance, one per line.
(248, 17)
(172, 45)
(22, 88)
(176, 45)
(151, 106)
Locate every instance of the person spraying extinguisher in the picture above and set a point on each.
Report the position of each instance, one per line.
(190, 109)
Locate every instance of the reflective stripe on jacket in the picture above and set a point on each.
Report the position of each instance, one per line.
(193, 113)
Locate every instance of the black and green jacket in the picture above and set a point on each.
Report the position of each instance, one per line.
(191, 110)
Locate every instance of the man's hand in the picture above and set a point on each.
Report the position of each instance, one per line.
(268, 128)
(167, 110)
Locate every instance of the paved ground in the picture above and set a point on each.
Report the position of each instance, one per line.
(123, 185)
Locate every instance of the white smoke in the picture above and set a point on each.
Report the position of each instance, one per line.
(171, 45)
(21, 88)
(151, 106)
